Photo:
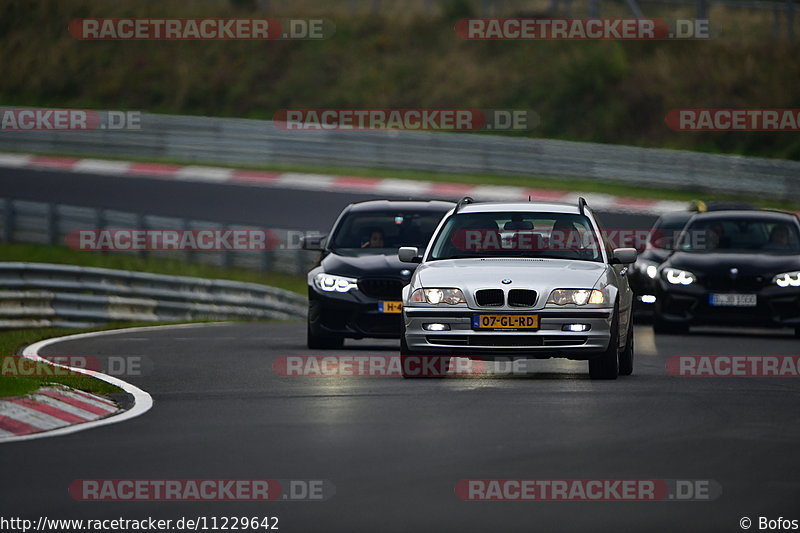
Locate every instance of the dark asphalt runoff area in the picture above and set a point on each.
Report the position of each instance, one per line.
(395, 448)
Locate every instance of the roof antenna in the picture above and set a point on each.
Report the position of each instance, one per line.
(529, 197)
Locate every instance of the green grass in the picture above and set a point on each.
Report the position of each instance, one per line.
(12, 342)
(584, 185)
(38, 253)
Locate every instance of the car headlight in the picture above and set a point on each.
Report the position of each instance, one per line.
(647, 268)
(679, 277)
(577, 297)
(787, 279)
(438, 296)
(331, 283)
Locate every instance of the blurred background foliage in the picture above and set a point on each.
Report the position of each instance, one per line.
(406, 54)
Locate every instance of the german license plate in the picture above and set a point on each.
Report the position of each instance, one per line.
(732, 300)
(390, 307)
(505, 321)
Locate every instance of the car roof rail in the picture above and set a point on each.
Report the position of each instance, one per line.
(581, 204)
(464, 201)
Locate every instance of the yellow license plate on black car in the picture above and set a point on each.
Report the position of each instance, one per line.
(390, 307)
(505, 321)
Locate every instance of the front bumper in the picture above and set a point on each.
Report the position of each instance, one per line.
(775, 306)
(547, 341)
(354, 316)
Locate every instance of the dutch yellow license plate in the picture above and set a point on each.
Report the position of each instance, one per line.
(505, 321)
(390, 307)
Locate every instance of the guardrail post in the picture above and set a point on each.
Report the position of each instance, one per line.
(188, 255)
(227, 257)
(702, 9)
(8, 219)
(141, 223)
(52, 224)
(265, 262)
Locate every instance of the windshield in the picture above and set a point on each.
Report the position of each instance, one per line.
(385, 229)
(740, 234)
(515, 234)
(665, 232)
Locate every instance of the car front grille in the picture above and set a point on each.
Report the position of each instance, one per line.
(381, 288)
(742, 283)
(489, 297)
(521, 298)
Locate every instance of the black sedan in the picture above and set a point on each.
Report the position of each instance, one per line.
(355, 289)
(660, 243)
(732, 267)
(642, 277)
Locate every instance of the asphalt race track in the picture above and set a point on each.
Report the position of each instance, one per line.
(232, 204)
(394, 449)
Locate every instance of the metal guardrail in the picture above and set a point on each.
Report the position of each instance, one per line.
(44, 295)
(241, 141)
(48, 223)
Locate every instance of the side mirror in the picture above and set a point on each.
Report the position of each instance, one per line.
(409, 254)
(626, 256)
(312, 242)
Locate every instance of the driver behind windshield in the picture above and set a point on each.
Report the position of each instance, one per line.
(778, 238)
(715, 236)
(376, 239)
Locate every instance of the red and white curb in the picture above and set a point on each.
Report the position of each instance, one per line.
(51, 408)
(324, 182)
(43, 417)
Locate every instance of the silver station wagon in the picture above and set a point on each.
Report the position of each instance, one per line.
(519, 280)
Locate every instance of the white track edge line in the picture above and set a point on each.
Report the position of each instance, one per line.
(143, 402)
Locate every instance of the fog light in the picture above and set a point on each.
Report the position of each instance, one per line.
(648, 298)
(576, 328)
(436, 327)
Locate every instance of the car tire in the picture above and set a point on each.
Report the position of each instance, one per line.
(322, 342)
(626, 355)
(606, 365)
(440, 364)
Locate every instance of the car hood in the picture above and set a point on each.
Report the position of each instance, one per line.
(542, 275)
(748, 264)
(358, 263)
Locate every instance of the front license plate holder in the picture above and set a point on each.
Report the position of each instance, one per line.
(505, 322)
(732, 300)
(390, 307)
